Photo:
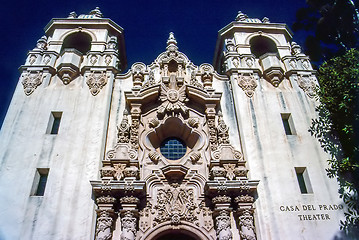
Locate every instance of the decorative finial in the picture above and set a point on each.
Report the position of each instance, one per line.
(112, 43)
(296, 49)
(265, 20)
(41, 43)
(171, 42)
(241, 16)
(96, 12)
(171, 39)
(72, 15)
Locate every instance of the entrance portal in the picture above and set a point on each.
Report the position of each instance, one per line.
(174, 235)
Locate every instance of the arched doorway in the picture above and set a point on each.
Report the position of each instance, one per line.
(176, 235)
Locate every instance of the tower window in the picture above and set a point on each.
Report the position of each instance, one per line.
(303, 180)
(288, 124)
(261, 45)
(173, 148)
(54, 123)
(80, 41)
(39, 185)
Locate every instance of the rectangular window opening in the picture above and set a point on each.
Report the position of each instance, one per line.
(54, 123)
(303, 180)
(288, 124)
(40, 180)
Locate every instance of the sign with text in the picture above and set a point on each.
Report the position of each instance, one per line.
(311, 212)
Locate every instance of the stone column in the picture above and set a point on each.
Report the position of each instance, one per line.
(245, 213)
(221, 212)
(129, 215)
(128, 222)
(104, 225)
(105, 215)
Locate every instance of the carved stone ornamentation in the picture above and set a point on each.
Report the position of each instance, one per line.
(128, 226)
(131, 172)
(175, 204)
(154, 156)
(112, 43)
(104, 226)
(247, 230)
(193, 122)
(119, 171)
(145, 214)
(194, 157)
(217, 171)
(107, 171)
(173, 101)
(194, 82)
(135, 119)
(105, 199)
(41, 43)
(307, 83)
(212, 134)
(222, 130)
(150, 81)
(229, 168)
(248, 84)
(221, 199)
(96, 81)
(31, 80)
(123, 131)
(223, 226)
(129, 199)
(244, 199)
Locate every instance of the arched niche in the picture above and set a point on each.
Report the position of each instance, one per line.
(261, 45)
(80, 41)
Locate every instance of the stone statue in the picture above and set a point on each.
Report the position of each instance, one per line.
(103, 227)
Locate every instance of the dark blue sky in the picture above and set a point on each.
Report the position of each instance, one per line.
(146, 26)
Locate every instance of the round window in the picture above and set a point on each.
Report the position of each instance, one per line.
(173, 148)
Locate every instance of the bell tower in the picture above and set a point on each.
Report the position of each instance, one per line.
(61, 103)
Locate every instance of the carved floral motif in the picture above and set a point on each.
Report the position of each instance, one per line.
(31, 80)
(172, 100)
(119, 171)
(96, 81)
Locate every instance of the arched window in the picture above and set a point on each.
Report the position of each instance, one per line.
(80, 41)
(261, 45)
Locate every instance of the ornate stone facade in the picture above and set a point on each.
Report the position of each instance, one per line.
(236, 174)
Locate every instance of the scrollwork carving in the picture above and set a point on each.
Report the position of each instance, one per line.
(174, 205)
(31, 80)
(96, 81)
(247, 83)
